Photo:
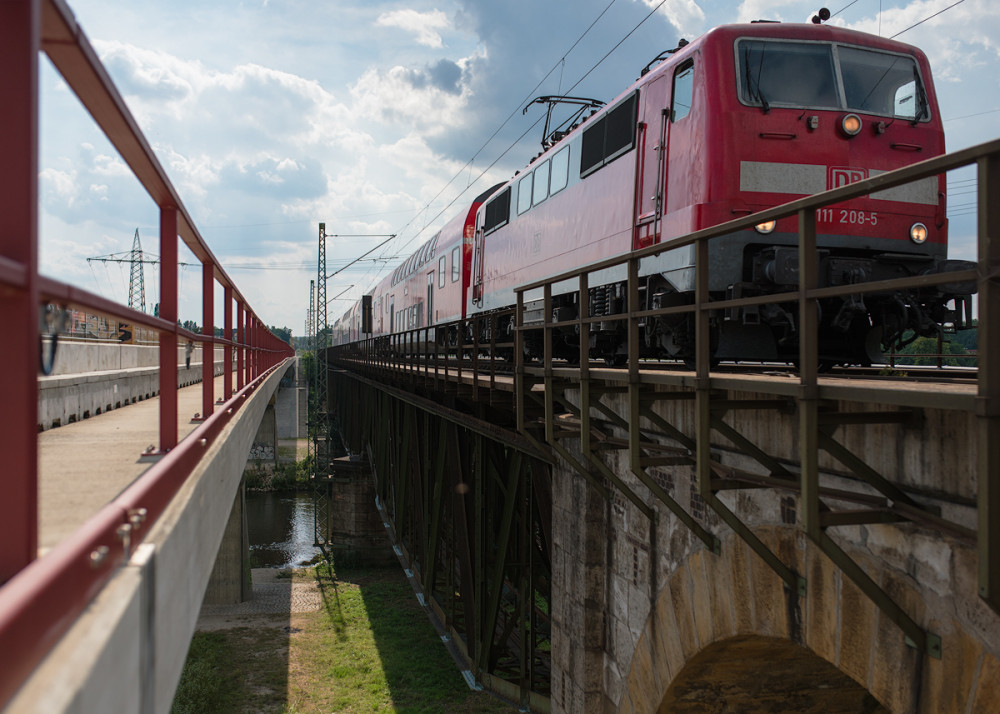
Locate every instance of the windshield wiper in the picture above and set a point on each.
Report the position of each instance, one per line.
(757, 94)
(921, 109)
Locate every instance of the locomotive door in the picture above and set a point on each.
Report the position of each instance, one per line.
(650, 179)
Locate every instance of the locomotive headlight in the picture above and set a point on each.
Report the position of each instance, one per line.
(765, 227)
(918, 233)
(851, 124)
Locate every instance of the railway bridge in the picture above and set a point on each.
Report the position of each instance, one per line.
(590, 539)
(704, 537)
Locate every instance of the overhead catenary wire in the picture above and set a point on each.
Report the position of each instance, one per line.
(559, 63)
(521, 137)
(930, 17)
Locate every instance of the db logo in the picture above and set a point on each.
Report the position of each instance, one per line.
(844, 175)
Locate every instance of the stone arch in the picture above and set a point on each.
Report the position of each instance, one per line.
(748, 673)
(710, 606)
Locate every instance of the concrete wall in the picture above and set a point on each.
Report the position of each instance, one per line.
(231, 581)
(636, 601)
(69, 396)
(126, 651)
(78, 356)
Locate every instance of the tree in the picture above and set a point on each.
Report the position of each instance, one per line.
(925, 349)
(282, 333)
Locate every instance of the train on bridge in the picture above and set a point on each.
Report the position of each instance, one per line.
(744, 118)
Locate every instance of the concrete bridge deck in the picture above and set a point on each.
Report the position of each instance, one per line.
(82, 466)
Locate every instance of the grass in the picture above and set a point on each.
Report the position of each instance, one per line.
(369, 649)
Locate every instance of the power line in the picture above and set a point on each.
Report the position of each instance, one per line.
(926, 19)
(486, 143)
(843, 8)
(520, 138)
(977, 114)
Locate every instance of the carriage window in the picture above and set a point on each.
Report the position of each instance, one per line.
(541, 191)
(560, 171)
(683, 92)
(524, 194)
(442, 264)
(455, 268)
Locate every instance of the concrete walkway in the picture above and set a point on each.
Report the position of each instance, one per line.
(82, 466)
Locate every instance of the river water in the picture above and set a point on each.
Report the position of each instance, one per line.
(281, 529)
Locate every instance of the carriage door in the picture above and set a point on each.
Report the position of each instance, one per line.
(654, 118)
(477, 265)
(430, 298)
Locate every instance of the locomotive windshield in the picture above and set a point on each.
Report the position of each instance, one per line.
(820, 75)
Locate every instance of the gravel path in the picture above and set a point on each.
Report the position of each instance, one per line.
(275, 600)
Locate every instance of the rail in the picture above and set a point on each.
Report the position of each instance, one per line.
(40, 598)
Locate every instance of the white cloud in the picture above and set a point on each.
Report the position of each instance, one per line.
(685, 15)
(426, 25)
(266, 126)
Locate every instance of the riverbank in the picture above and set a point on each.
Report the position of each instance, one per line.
(323, 639)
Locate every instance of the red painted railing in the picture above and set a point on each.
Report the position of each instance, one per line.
(39, 599)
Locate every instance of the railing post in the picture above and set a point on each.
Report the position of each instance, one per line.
(634, 387)
(703, 364)
(519, 383)
(240, 347)
(547, 366)
(808, 397)
(988, 408)
(583, 313)
(207, 347)
(227, 350)
(168, 340)
(19, 45)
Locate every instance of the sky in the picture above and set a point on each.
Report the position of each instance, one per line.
(379, 118)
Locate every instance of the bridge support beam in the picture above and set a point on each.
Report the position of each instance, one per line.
(988, 467)
(230, 581)
(468, 505)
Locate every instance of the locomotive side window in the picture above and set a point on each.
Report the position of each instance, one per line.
(560, 171)
(455, 268)
(610, 137)
(592, 148)
(683, 92)
(442, 264)
(497, 211)
(541, 191)
(524, 194)
(621, 129)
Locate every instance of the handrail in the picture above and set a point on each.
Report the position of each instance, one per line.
(986, 157)
(38, 604)
(40, 598)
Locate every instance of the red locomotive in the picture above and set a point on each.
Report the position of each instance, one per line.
(744, 118)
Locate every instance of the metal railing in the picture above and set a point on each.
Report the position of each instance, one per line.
(808, 390)
(40, 598)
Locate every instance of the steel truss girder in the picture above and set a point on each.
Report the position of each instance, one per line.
(895, 505)
(466, 512)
